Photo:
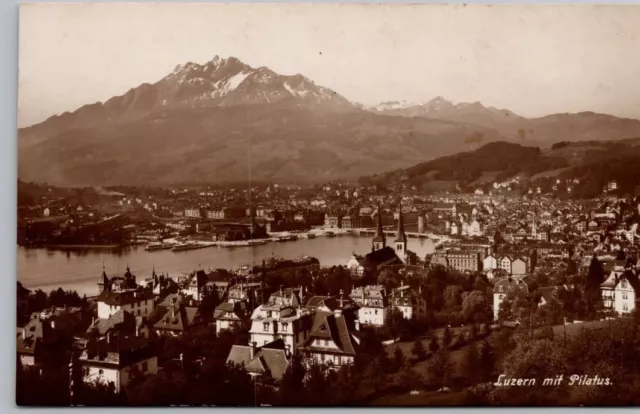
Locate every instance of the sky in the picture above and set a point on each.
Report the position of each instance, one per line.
(531, 59)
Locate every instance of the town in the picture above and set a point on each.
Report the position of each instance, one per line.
(513, 271)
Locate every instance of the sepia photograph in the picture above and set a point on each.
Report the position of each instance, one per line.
(327, 205)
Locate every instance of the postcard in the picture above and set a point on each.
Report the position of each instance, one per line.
(286, 205)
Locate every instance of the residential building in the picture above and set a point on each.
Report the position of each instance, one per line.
(408, 301)
(117, 359)
(282, 317)
(507, 285)
(37, 341)
(139, 302)
(271, 359)
(333, 340)
(228, 314)
(178, 320)
(373, 302)
(489, 263)
(620, 290)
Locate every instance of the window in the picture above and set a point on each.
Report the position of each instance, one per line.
(624, 295)
(145, 366)
(326, 342)
(501, 296)
(376, 311)
(624, 284)
(138, 312)
(265, 342)
(285, 326)
(265, 326)
(100, 372)
(322, 357)
(625, 307)
(500, 288)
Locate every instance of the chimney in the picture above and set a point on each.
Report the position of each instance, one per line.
(253, 349)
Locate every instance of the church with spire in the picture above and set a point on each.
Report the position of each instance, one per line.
(396, 254)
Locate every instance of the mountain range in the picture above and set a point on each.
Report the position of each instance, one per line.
(227, 121)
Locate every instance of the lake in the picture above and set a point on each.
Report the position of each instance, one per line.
(80, 270)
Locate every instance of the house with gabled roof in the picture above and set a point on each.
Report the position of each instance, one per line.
(408, 301)
(36, 341)
(228, 314)
(333, 340)
(122, 322)
(620, 290)
(508, 285)
(178, 320)
(271, 359)
(117, 359)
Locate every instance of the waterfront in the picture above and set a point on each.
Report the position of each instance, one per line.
(79, 270)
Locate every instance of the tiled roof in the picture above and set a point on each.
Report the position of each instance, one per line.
(118, 350)
(179, 318)
(328, 325)
(269, 358)
(122, 321)
(125, 298)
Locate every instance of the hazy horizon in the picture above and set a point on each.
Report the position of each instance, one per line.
(534, 60)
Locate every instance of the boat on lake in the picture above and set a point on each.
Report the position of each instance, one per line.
(291, 237)
(152, 247)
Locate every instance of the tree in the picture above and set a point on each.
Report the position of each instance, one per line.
(486, 360)
(471, 364)
(433, 345)
(440, 368)
(452, 301)
(475, 307)
(398, 359)
(291, 387)
(395, 323)
(446, 338)
(595, 277)
(409, 378)
(418, 350)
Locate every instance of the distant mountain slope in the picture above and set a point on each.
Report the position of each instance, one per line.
(227, 121)
(581, 126)
(592, 164)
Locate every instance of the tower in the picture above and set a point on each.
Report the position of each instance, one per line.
(401, 239)
(104, 284)
(533, 228)
(379, 241)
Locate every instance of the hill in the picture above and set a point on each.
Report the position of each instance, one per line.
(589, 165)
(226, 121)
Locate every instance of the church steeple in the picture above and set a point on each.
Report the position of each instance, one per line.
(379, 241)
(104, 283)
(401, 238)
